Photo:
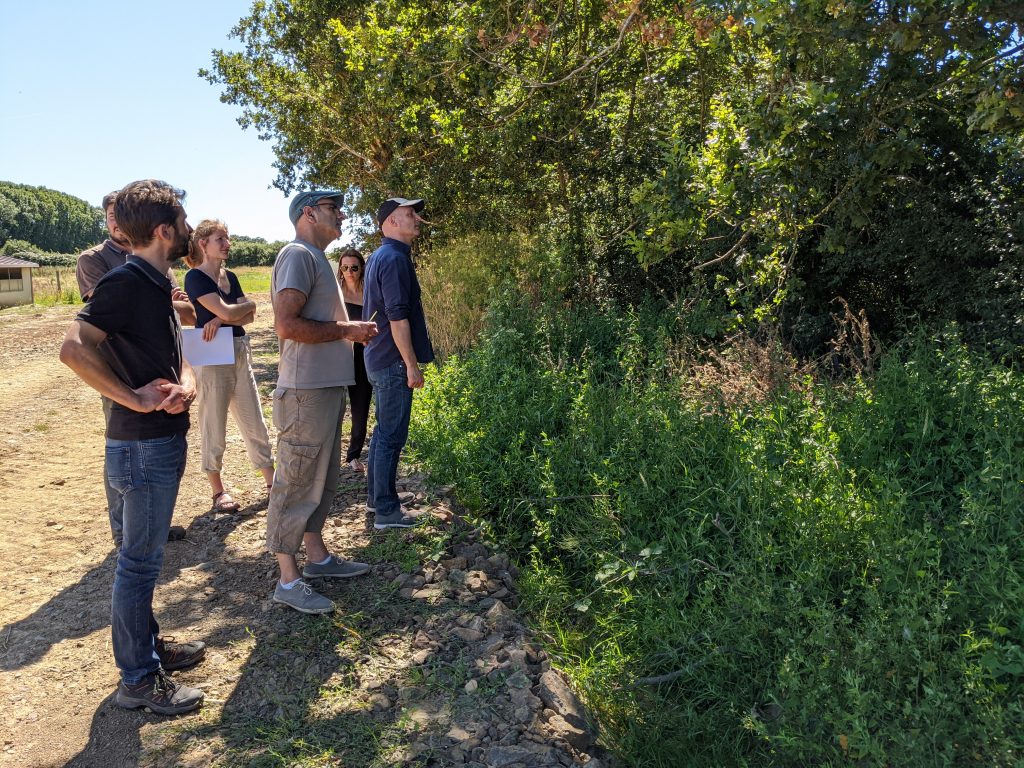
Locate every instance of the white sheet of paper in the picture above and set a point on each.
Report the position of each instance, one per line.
(220, 351)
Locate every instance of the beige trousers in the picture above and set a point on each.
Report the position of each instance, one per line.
(231, 387)
(308, 425)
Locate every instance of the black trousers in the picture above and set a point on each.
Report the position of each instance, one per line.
(359, 395)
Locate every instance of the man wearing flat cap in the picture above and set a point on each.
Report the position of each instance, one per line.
(391, 292)
(316, 368)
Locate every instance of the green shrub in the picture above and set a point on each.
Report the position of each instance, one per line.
(253, 251)
(23, 250)
(833, 572)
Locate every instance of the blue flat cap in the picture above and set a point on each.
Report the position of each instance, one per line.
(312, 197)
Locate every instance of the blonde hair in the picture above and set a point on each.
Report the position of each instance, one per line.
(203, 231)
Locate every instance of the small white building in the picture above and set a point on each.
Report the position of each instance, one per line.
(15, 281)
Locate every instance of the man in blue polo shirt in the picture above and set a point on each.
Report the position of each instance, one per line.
(391, 295)
(126, 344)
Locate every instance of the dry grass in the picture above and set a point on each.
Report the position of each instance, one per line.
(743, 371)
(854, 349)
(55, 285)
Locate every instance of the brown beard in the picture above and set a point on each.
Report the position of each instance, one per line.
(182, 249)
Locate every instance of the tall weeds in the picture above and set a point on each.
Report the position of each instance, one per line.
(820, 573)
(55, 285)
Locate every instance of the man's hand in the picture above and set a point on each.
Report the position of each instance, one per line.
(178, 397)
(149, 396)
(414, 376)
(358, 331)
(211, 328)
(178, 295)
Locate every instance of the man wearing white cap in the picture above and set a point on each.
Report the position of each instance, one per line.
(391, 292)
(316, 368)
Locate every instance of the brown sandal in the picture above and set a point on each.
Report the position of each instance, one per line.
(222, 502)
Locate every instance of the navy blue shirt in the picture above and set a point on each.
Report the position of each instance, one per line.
(390, 289)
(132, 305)
(198, 283)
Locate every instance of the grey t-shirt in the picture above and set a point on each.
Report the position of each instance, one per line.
(305, 268)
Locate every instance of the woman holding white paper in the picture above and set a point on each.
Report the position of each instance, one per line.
(220, 303)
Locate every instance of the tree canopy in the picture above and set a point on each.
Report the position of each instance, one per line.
(780, 155)
(50, 220)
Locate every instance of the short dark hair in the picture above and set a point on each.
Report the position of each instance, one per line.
(142, 206)
(108, 200)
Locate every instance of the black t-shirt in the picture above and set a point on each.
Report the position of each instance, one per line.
(132, 305)
(198, 283)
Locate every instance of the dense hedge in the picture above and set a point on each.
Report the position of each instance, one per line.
(24, 250)
(831, 572)
(245, 252)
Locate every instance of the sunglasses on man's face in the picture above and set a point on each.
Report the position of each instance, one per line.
(348, 268)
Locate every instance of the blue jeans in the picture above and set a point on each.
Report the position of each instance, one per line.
(394, 406)
(146, 474)
(115, 504)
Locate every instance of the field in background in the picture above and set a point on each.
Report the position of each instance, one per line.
(58, 285)
(55, 285)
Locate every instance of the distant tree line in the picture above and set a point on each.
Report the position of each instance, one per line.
(253, 251)
(49, 220)
(51, 228)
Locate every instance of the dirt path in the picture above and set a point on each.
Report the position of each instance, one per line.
(424, 664)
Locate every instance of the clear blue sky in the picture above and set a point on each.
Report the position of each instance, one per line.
(96, 94)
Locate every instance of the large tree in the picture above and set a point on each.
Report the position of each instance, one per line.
(782, 154)
(869, 151)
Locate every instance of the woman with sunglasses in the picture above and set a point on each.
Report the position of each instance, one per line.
(219, 301)
(350, 276)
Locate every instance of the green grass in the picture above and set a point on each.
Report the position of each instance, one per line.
(294, 704)
(252, 279)
(45, 281)
(406, 550)
(46, 293)
(833, 573)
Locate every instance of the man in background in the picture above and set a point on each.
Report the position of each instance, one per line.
(94, 263)
(391, 293)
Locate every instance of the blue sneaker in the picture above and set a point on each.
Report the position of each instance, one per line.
(400, 519)
(303, 598)
(334, 568)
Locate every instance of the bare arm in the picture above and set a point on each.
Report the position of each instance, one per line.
(183, 306)
(402, 335)
(229, 313)
(289, 323)
(79, 353)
